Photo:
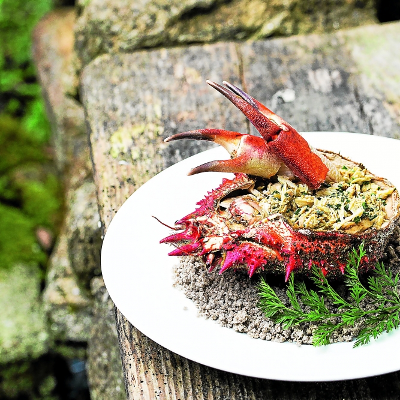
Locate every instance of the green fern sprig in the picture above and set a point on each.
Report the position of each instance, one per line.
(310, 306)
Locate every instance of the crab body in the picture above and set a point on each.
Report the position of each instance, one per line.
(318, 221)
(235, 237)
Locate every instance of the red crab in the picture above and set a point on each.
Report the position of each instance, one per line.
(227, 229)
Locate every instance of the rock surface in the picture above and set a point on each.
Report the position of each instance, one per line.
(53, 43)
(82, 223)
(365, 99)
(54, 58)
(75, 315)
(22, 319)
(104, 366)
(53, 54)
(68, 310)
(108, 26)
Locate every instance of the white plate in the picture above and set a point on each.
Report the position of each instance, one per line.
(138, 276)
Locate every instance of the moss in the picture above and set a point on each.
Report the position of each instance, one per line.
(76, 350)
(29, 380)
(17, 239)
(30, 194)
(22, 320)
(19, 90)
(17, 18)
(41, 200)
(141, 145)
(17, 146)
(373, 54)
(373, 57)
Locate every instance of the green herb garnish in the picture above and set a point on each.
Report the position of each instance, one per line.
(309, 306)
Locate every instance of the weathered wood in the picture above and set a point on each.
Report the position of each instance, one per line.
(133, 101)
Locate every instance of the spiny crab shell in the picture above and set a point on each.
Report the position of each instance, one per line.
(229, 228)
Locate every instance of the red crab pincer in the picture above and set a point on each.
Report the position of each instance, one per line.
(288, 207)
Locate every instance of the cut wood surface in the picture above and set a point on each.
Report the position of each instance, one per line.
(346, 81)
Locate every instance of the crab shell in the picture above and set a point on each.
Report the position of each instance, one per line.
(270, 243)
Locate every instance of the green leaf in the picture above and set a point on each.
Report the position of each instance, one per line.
(309, 306)
(291, 294)
(35, 120)
(17, 239)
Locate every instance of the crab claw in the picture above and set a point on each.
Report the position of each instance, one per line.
(267, 127)
(250, 154)
(283, 140)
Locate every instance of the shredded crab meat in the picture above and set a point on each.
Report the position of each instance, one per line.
(354, 204)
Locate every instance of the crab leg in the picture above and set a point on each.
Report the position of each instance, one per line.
(251, 154)
(190, 233)
(283, 140)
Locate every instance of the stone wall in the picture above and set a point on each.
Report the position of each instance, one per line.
(107, 26)
(74, 301)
